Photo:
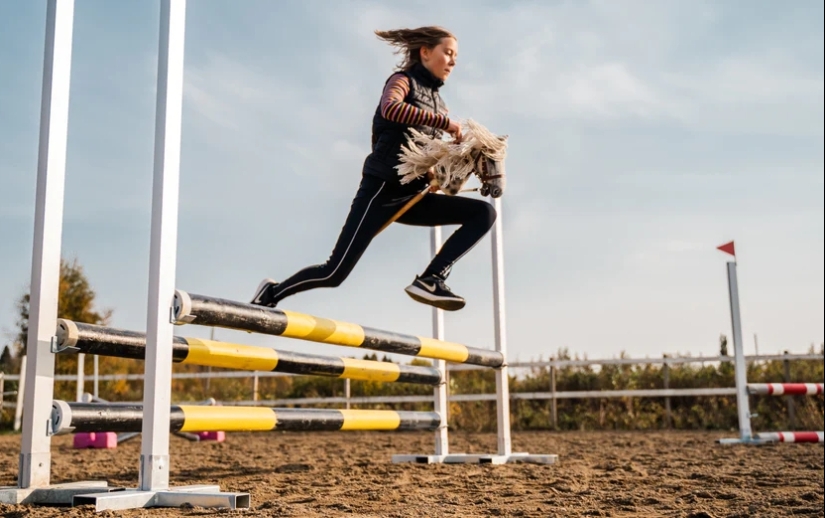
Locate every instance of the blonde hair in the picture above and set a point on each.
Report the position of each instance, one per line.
(409, 42)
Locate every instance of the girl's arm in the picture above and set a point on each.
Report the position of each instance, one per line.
(395, 109)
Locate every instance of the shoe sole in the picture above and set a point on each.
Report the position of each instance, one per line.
(259, 291)
(424, 297)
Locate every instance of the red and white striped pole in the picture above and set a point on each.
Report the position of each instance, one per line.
(785, 389)
(790, 436)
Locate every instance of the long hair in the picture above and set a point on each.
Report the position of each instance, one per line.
(409, 42)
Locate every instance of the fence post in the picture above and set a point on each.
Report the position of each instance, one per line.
(791, 410)
(666, 385)
(347, 391)
(209, 367)
(96, 375)
(21, 389)
(80, 376)
(255, 386)
(553, 408)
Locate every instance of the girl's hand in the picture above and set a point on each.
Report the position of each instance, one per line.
(454, 129)
(433, 182)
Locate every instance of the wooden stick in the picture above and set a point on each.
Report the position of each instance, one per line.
(408, 205)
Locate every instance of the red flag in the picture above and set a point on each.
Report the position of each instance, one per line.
(728, 247)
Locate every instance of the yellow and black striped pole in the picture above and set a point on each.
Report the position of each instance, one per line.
(201, 310)
(71, 417)
(106, 341)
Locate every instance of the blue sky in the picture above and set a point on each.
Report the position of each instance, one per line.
(642, 135)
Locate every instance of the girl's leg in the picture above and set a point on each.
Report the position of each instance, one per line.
(368, 212)
(476, 217)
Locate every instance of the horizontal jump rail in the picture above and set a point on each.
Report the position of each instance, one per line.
(791, 436)
(72, 417)
(785, 389)
(107, 341)
(201, 310)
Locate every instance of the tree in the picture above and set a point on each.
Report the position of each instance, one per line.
(75, 301)
(6, 360)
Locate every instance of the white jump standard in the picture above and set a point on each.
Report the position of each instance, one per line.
(34, 484)
(744, 389)
(34, 465)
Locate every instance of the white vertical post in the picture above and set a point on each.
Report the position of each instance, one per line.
(440, 405)
(35, 449)
(499, 320)
(740, 369)
(81, 382)
(157, 394)
(209, 367)
(96, 374)
(21, 395)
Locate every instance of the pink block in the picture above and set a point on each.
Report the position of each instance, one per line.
(106, 440)
(212, 436)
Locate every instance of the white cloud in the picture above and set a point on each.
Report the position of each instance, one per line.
(607, 90)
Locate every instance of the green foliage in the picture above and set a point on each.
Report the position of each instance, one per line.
(75, 301)
(7, 362)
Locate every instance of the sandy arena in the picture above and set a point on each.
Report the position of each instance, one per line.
(678, 474)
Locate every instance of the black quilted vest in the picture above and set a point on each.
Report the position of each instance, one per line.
(389, 136)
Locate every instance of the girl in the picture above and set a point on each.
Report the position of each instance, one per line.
(410, 99)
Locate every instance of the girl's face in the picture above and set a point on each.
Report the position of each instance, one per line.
(440, 60)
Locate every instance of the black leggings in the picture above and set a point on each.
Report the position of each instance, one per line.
(374, 204)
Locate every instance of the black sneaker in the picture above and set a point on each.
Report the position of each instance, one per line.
(432, 290)
(263, 294)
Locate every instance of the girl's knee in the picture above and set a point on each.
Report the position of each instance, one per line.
(337, 276)
(488, 213)
(336, 280)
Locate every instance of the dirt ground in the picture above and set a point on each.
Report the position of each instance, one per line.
(350, 474)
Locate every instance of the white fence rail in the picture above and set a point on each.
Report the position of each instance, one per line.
(586, 394)
(558, 364)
